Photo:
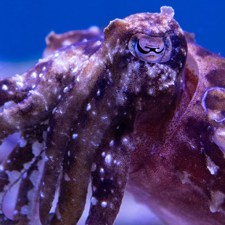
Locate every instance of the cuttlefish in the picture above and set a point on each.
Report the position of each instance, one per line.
(139, 106)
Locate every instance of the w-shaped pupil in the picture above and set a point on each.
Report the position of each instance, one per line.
(147, 49)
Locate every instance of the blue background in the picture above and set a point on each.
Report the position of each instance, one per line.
(25, 23)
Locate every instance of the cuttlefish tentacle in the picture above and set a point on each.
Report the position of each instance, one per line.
(14, 167)
(28, 193)
(95, 123)
(18, 172)
(109, 177)
(60, 140)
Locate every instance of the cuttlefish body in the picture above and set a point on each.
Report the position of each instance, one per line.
(139, 105)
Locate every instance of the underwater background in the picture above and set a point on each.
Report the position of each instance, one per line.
(24, 25)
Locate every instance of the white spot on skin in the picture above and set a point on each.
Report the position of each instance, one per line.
(151, 91)
(98, 43)
(104, 204)
(66, 42)
(1, 168)
(15, 212)
(88, 108)
(102, 171)
(19, 84)
(212, 167)
(75, 136)
(66, 89)
(56, 54)
(108, 159)
(42, 194)
(111, 143)
(98, 92)
(24, 210)
(33, 74)
(125, 141)
(5, 87)
(19, 80)
(116, 162)
(217, 199)
(104, 117)
(66, 177)
(94, 201)
(78, 79)
(22, 142)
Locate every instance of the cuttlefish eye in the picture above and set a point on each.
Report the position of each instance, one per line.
(150, 48)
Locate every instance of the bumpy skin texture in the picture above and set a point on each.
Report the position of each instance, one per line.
(112, 104)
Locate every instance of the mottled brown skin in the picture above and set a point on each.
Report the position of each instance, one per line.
(108, 105)
(170, 171)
